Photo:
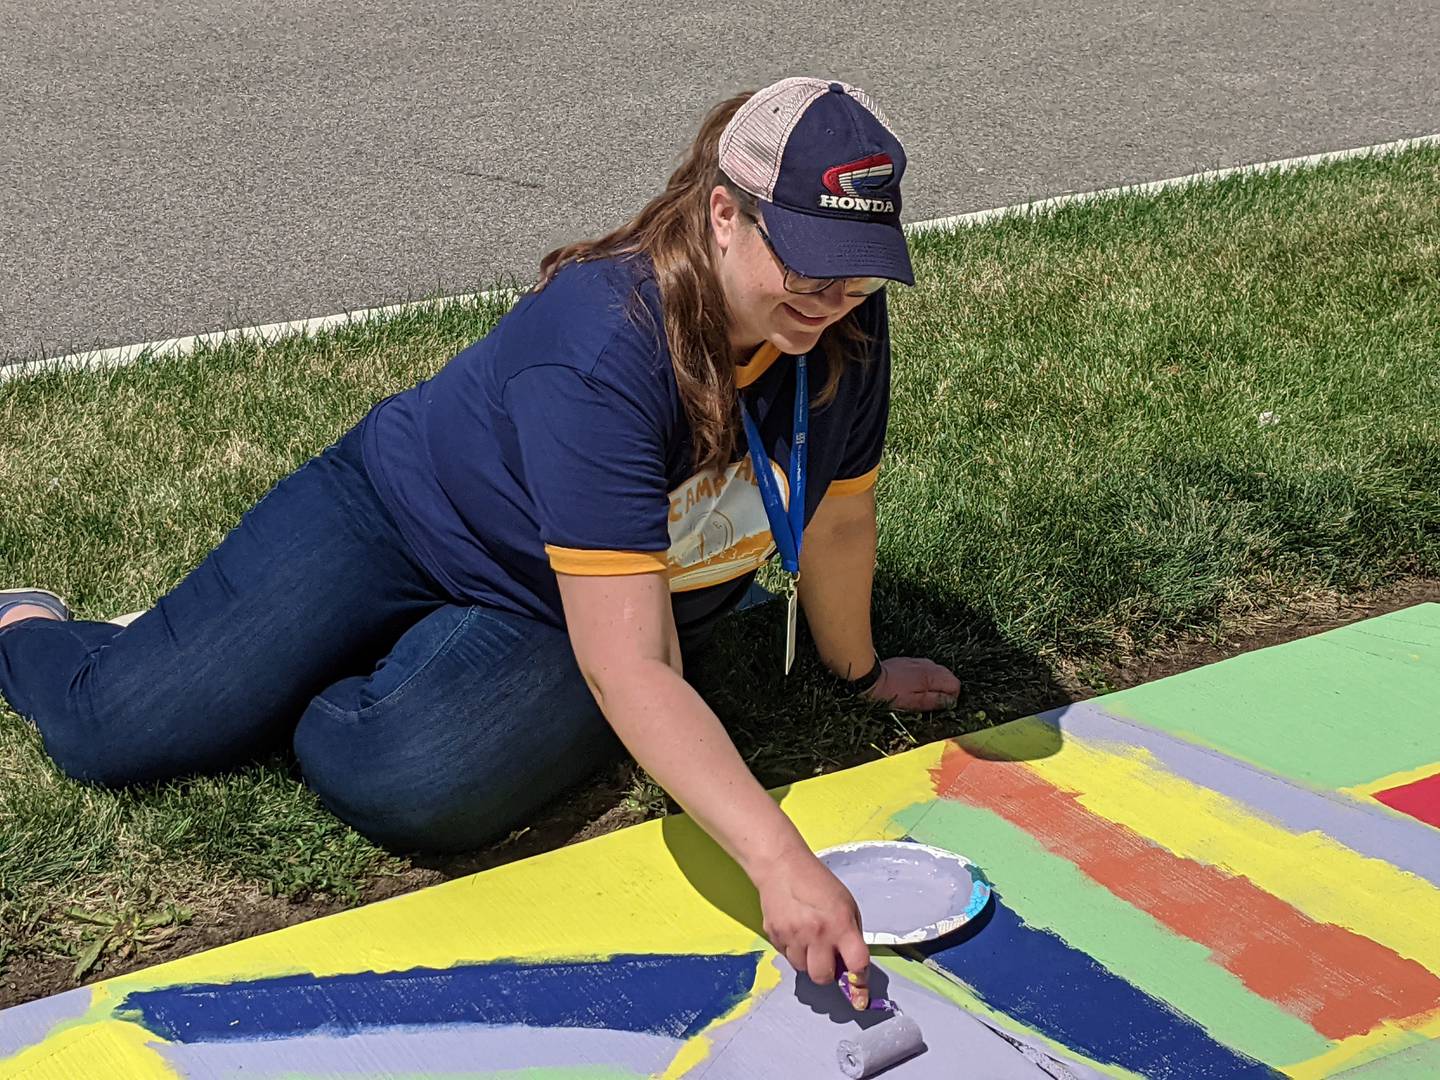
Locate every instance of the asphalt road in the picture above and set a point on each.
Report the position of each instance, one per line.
(170, 169)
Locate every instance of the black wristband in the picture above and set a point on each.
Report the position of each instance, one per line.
(864, 682)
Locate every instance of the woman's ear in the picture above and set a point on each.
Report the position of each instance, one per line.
(724, 217)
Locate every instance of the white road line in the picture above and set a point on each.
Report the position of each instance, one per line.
(272, 332)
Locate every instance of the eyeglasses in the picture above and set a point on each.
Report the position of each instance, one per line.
(799, 283)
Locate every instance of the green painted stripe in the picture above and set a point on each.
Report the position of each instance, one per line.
(1050, 893)
(1338, 709)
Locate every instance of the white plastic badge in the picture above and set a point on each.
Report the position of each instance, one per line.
(790, 620)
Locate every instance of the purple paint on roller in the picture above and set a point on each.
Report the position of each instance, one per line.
(1407, 844)
(882, 1004)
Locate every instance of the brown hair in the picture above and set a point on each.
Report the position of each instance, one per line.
(674, 231)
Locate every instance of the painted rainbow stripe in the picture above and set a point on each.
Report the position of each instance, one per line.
(1338, 981)
(1232, 872)
(674, 996)
(1027, 973)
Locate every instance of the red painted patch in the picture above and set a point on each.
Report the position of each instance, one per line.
(1420, 799)
(1338, 981)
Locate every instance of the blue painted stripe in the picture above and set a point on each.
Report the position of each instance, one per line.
(1043, 982)
(657, 994)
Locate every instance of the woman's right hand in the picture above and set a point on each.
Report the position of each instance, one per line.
(810, 917)
(622, 629)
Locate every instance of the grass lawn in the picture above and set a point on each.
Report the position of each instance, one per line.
(1117, 427)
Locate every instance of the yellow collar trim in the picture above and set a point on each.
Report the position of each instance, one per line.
(757, 365)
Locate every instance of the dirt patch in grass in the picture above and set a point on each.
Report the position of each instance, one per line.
(608, 803)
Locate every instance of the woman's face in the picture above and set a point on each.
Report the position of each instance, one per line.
(761, 308)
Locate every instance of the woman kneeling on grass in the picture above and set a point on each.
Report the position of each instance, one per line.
(444, 608)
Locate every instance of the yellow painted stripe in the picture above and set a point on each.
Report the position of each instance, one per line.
(663, 886)
(696, 1050)
(1394, 780)
(98, 1048)
(759, 363)
(1322, 878)
(854, 485)
(1386, 1039)
(604, 563)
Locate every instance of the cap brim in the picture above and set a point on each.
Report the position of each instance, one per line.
(835, 247)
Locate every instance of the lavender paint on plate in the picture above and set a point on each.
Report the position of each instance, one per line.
(901, 887)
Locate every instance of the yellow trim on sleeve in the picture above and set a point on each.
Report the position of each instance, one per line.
(759, 363)
(855, 485)
(604, 563)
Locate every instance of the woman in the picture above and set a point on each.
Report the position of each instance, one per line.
(453, 610)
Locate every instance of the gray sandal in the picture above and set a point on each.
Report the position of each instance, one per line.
(10, 598)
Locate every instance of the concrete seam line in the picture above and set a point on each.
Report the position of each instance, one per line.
(273, 332)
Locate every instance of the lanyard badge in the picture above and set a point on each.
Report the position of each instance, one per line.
(787, 524)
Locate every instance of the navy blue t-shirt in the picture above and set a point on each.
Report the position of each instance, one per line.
(558, 442)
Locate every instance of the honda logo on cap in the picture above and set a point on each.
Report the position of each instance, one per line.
(852, 183)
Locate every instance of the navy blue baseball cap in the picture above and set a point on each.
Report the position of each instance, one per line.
(825, 166)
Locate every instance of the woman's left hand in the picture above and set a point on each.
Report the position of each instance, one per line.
(912, 684)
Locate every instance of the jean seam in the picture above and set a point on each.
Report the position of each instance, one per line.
(402, 690)
(439, 654)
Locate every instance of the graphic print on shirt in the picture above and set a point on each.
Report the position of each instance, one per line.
(718, 528)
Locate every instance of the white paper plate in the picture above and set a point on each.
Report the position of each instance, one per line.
(908, 892)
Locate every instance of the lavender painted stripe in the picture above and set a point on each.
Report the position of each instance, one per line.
(25, 1025)
(441, 1051)
(1406, 844)
(794, 1029)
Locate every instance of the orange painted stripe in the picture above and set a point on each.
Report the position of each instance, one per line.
(1338, 981)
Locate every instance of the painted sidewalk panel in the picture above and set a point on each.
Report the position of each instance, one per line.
(1305, 709)
(1230, 873)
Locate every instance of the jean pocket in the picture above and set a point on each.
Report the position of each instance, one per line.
(445, 661)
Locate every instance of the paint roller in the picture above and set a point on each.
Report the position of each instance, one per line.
(887, 1043)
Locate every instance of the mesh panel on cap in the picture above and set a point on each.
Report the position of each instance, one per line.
(752, 143)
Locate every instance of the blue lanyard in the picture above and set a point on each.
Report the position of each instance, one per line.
(786, 528)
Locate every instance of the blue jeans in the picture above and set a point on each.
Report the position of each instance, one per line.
(426, 723)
